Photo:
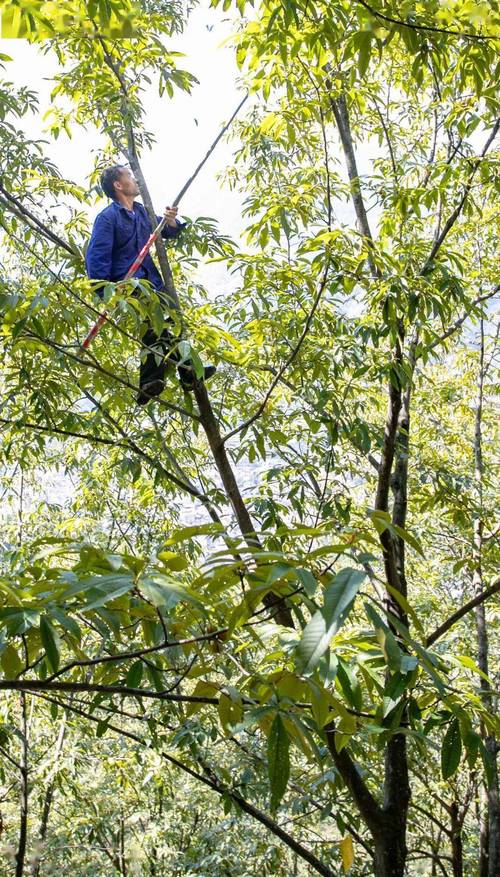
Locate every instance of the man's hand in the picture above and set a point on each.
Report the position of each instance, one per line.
(170, 214)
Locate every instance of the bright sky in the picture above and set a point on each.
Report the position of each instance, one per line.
(181, 143)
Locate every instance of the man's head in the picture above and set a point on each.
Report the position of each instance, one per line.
(117, 180)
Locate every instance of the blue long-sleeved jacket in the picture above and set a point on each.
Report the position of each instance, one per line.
(117, 237)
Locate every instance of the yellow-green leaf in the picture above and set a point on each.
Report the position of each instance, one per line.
(347, 853)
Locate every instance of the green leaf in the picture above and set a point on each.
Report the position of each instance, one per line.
(51, 643)
(11, 662)
(405, 606)
(278, 761)
(451, 750)
(382, 521)
(488, 764)
(230, 711)
(364, 42)
(66, 622)
(202, 689)
(166, 592)
(338, 602)
(172, 560)
(308, 581)
(349, 684)
(11, 594)
(109, 586)
(134, 675)
(189, 532)
(102, 727)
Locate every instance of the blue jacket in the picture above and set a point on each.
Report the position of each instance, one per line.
(117, 237)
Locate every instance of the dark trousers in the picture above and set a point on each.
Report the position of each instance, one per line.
(163, 352)
(163, 349)
(154, 366)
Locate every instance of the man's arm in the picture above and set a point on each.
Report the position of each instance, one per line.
(98, 259)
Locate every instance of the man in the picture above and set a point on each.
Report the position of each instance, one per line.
(119, 233)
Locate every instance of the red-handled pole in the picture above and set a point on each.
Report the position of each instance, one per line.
(130, 273)
(147, 246)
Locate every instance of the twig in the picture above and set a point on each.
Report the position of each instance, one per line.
(286, 364)
(466, 35)
(467, 607)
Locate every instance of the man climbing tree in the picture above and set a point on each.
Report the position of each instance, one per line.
(119, 233)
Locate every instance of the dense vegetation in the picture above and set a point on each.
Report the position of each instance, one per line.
(303, 681)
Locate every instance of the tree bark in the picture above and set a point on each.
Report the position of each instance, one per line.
(489, 842)
(24, 791)
(341, 116)
(456, 841)
(208, 420)
(390, 852)
(48, 799)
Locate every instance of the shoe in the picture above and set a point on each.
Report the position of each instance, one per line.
(187, 377)
(149, 390)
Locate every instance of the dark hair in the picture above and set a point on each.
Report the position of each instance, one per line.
(108, 179)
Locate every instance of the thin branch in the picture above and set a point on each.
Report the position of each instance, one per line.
(211, 780)
(285, 365)
(367, 805)
(13, 761)
(464, 610)
(388, 141)
(35, 685)
(24, 791)
(450, 222)
(17, 207)
(466, 35)
(56, 431)
(341, 115)
(138, 653)
(461, 320)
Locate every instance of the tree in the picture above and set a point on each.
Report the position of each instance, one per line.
(328, 349)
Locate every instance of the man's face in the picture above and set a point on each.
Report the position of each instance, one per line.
(127, 184)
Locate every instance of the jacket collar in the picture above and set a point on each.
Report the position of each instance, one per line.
(118, 206)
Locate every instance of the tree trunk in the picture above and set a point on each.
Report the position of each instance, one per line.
(390, 842)
(388, 828)
(456, 841)
(48, 798)
(341, 115)
(207, 417)
(489, 843)
(24, 791)
(390, 853)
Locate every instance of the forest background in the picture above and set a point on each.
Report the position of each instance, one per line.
(303, 679)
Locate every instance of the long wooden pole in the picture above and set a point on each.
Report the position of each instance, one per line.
(159, 228)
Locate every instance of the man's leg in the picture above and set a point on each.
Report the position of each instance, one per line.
(153, 367)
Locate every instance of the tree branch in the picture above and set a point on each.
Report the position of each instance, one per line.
(367, 805)
(17, 207)
(286, 364)
(450, 222)
(464, 610)
(56, 431)
(461, 320)
(466, 35)
(137, 653)
(341, 115)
